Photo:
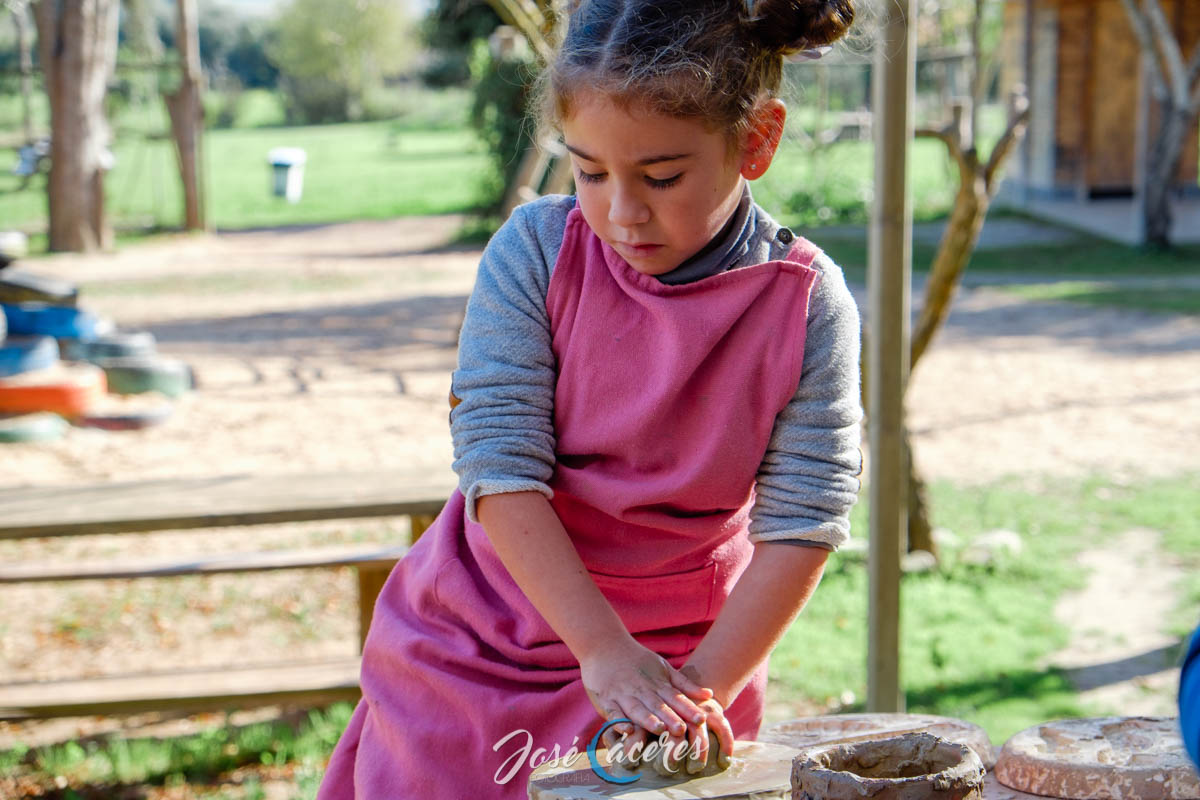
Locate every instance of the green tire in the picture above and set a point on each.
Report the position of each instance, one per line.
(140, 375)
(40, 427)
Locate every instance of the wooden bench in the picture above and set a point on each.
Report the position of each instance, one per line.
(180, 504)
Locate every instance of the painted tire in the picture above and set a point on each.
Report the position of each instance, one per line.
(108, 346)
(138, 375)
(66, 389)
(40, 319)
(18, 286)
(25, 354)
(120, 414)
(41, 427)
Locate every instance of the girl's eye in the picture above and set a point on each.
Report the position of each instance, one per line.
(590, 177)
(664, 183)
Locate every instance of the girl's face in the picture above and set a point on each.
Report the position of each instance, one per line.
(656, 189)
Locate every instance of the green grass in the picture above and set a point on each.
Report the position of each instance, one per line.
(99, 768)
(424, 160)
(355, 171)
(972, 637)
(1178, 300)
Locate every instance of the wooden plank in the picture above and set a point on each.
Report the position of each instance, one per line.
(343, 555)
(176, 504)
(196, 690)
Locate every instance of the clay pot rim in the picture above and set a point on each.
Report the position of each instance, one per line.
(968, 766)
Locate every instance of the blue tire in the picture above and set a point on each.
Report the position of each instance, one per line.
(26, 354)
(112, 345)
(39, 319)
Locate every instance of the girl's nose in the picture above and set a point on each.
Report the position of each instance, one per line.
(626, 209)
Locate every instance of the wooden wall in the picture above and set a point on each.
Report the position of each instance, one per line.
(1097, 90)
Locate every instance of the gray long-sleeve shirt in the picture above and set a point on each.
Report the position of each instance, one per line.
(503, 428)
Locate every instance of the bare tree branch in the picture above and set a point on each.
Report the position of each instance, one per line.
(1000, 153)
(1193, 77)
(949, 135)
(1141, 29)
(1169, 48)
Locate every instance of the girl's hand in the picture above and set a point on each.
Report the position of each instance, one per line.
(631, 681)
(700, 748)
(705, 749)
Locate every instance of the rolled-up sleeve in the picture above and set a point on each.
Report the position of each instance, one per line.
(808, 480)
(503, 424)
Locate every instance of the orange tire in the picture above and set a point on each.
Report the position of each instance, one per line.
(66, 389)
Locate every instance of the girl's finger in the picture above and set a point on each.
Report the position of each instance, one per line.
(698, 751)
(720, 726)
(689, 687)
(661, 709)
(645, 717)
(688, 711)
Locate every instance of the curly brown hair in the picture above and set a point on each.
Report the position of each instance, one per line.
(712, 60)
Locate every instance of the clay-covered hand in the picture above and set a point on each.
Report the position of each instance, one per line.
(700, 753)
(632, 682)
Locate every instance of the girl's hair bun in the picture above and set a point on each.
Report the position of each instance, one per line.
(791, 25)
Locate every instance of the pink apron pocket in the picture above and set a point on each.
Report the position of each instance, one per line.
(672, 603)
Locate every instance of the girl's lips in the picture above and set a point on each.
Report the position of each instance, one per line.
(638, 249)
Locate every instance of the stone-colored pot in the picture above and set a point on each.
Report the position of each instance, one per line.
(1107, 758)
(915, 766)
(809, 732)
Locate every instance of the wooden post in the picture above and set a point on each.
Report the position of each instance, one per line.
(889, 270)
(186, 110)
(371, 579)
(370, 584)
(420, 524)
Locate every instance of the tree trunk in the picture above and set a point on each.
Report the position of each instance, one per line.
(25, 63)
(77, 42)
(978, 184)
(920, 529)
(1162, 164)
(186, 110)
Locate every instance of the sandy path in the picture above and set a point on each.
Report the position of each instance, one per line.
(330, 348)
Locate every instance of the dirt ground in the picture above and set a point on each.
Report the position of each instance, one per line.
(330, 348)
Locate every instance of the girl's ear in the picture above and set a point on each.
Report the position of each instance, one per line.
(762, 140)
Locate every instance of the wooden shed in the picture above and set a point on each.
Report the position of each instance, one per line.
(1093, 111)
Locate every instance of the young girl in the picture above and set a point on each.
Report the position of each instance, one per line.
(655, 422)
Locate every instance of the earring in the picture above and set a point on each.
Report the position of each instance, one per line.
(753, 166)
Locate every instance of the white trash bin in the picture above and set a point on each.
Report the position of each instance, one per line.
(288, 166)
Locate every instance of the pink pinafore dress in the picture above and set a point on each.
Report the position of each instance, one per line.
(665, 402)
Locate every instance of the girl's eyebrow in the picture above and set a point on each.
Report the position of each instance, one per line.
(642, 163)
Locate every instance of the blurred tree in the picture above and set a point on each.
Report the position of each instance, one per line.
(979, 180)
(247, 58)
(330, 53)
(450, 30)
(186, 109)
(77, 46)
(20, 15)
(1176, 86)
